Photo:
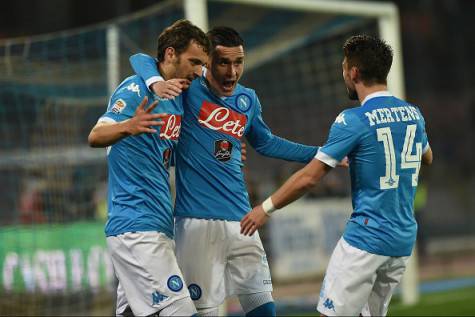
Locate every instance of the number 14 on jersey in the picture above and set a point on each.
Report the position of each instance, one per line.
(408, 160)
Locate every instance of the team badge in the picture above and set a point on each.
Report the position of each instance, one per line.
(175, 283)
(243, 102)
(167, 154)
(119, 106)
(222, 150)
(195, 291)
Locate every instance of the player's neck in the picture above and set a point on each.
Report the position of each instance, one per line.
(212, 84)
(166, 70)
(363, 91)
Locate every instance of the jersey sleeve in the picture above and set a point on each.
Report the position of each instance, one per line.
(122, 105)
(344, 136)
(264, 142)
(425, 139)
(145, 66)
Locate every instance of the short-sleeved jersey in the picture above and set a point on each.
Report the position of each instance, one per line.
(209, 179)
(384, 140)
(139, 191)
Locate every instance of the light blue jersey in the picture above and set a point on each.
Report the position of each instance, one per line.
(384, 140)
(209, 179)
(139, 192)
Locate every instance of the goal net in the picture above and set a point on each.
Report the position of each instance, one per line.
(54, 87)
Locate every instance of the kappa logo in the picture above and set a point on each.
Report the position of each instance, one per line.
(328, 304)
(175, 283)
(195, 291)
(158, 298)
(133, 87)
(341, 119)
(119, 106)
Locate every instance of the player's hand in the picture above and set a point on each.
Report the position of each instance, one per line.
(255, 219)
(345, 162)
(143, 120)
(171, 88)
(243, 152)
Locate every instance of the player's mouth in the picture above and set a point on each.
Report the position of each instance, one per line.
(228, 85)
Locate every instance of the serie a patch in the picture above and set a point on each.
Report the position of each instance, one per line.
(118, 106)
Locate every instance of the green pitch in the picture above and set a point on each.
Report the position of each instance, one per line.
(460, 302)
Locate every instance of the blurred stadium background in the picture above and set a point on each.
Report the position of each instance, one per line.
(57, 59)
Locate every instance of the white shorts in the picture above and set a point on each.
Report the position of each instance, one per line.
(218, 261)
(148, 273)
(356, 279)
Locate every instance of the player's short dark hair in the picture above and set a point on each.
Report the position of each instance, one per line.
(179, 35)
(224, 36)
(372, 56)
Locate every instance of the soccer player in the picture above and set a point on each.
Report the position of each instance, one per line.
(386, 142)
(139, 229)
(217, 261)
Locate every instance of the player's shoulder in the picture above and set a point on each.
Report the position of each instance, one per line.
(241, 89)
(348, 118)
(245, 95)
(132, 87)
(413, 106)
(412, 109)
(127, 95)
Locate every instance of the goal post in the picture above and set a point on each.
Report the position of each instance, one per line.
(387, 16)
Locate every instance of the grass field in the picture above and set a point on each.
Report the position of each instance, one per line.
(460, 302)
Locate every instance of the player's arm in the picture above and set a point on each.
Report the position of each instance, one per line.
(108, 132)
(145, 67)
(343, 138)
(265, 143)
(294, 188)
(427, 157)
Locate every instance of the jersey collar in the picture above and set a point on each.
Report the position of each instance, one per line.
(382, 93)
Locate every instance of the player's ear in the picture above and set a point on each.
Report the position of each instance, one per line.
(170, 54)
(354, 74)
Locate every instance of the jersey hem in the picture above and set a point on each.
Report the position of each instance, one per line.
(207, 217)
(119, 232)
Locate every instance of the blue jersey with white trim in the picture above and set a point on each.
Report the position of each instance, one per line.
(209, 178)
(384, 140)
(139, 192)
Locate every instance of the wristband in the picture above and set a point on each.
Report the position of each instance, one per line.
(268, 206)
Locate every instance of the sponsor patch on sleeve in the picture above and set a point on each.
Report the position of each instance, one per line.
(118, 106)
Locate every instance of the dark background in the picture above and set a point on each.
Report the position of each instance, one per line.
(438, 38)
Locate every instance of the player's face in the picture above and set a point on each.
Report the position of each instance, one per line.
(350, 85)
(227, 65)
(188, 64)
